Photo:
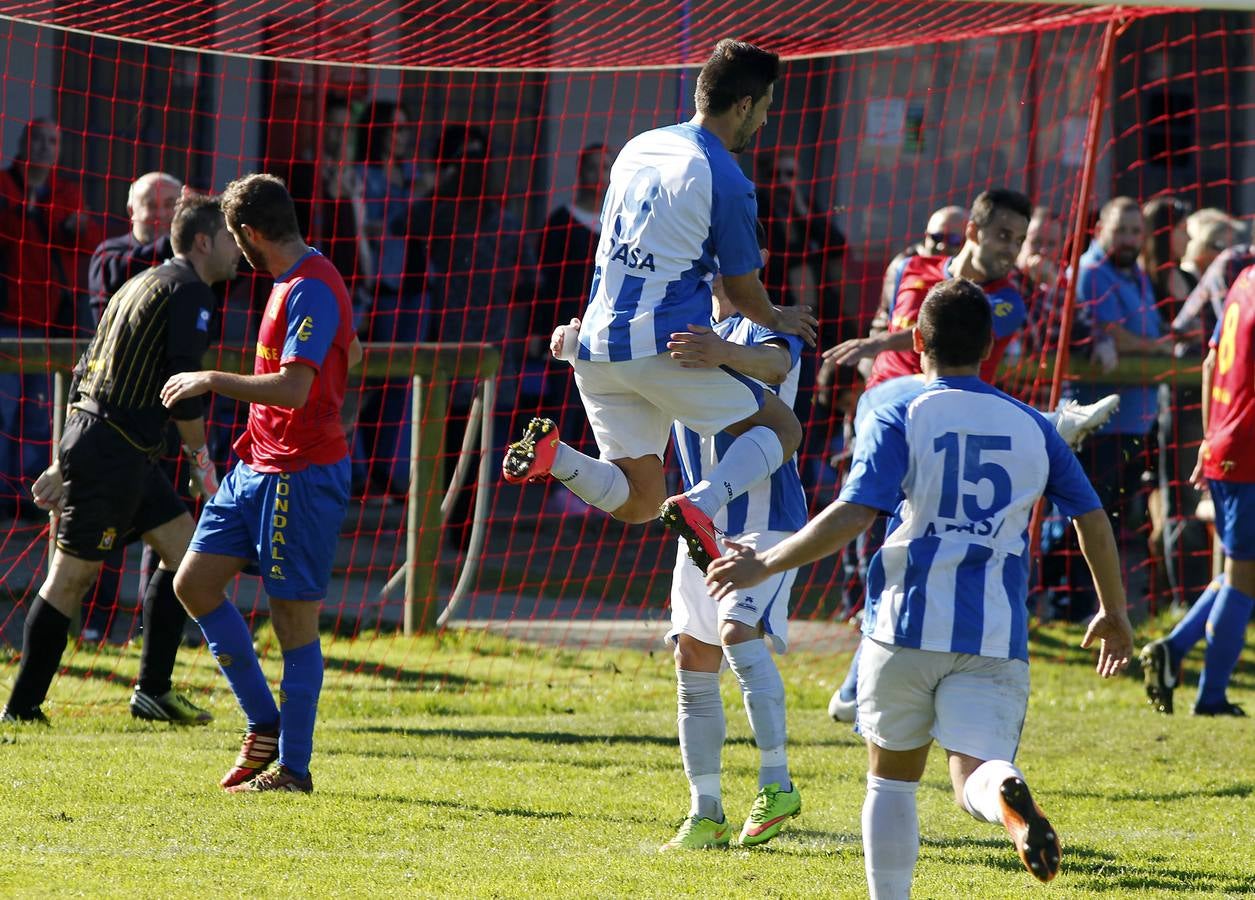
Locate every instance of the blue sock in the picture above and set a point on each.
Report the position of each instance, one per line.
(299, 690)
(1226, 633)
(230, 642)
(849, 688)
(1191, 629)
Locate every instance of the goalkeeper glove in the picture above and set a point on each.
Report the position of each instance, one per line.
(204, 478)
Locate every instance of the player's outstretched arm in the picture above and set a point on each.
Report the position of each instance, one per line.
(355, 353)
(827, 533)
(750, 298)
(289, 387)
(847, 353)
(1111, 625)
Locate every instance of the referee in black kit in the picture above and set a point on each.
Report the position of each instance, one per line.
(106, 480)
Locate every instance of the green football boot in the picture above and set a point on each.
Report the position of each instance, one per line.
(771, 808)
(700, 834)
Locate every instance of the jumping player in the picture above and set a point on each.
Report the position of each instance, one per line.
(1226, 469)
(945, 650)
(678, 211)
(281, 506)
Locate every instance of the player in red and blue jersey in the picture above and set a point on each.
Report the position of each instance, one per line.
(995, 232)
(280, 508)
(1226, 468)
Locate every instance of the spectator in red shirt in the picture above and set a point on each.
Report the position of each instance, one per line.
(43, 235)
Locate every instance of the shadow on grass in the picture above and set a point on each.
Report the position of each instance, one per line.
(1104, 871)
(1240, 789)
(464, 806)
(540, 737)
(343, 665)
(598, 764)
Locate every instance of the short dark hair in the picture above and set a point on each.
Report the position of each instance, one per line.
(735, 69)
(195, 214)
(955, 323)
(989, 202)
(1044, 214)
(1118, 206)
(590, 152)
(261, 202)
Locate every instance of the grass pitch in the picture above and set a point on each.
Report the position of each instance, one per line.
(476, 767)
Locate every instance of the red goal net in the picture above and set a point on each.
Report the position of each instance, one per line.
(449, 158)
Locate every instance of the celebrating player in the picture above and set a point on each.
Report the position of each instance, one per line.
(281, 506)
(1223, 468)
(677, 212)
(704, 633)
(945, 650)
(107, 481)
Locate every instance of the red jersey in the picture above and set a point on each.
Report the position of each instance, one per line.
(1229, 447)
(42, 257)
(308, 320)
(914, 282)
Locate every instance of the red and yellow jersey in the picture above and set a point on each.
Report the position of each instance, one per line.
(915, 281)
(308, 320)
(1229, 447)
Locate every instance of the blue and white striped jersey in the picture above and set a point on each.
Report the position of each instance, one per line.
(960, 467)
(776, 504)
(678, 211)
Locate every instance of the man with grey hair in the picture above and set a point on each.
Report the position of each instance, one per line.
(150, 205)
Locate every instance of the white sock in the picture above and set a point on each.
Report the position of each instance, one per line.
(702, 731)
(980, 793)
(751, 458)
(763, 690)
(595, 481)
(890, 837)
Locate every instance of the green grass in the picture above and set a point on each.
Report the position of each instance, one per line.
(472, 766)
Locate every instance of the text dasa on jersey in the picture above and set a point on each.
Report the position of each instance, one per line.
(630, 256)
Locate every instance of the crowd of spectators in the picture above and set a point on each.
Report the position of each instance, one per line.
(434, 251)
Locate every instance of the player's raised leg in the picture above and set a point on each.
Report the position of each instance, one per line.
(995, 791)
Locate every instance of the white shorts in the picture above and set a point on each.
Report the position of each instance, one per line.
(970, 704)
(767, 604)
(632, 404)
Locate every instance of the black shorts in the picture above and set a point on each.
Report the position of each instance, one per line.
(114, 491)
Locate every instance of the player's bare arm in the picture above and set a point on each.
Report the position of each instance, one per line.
(1111, 625)
(1197, 478)
(748, 295)
(824, 535)
(355, 353)
(1128, 342)
(288, 388)
(847, 353)
(701, 348)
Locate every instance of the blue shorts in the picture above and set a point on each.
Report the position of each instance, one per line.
(288, 523)
(1235, 517)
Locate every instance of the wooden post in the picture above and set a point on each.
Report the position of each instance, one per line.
(428, 409)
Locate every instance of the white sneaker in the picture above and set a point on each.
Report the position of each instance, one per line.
(1075, 422)
(841, 710)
